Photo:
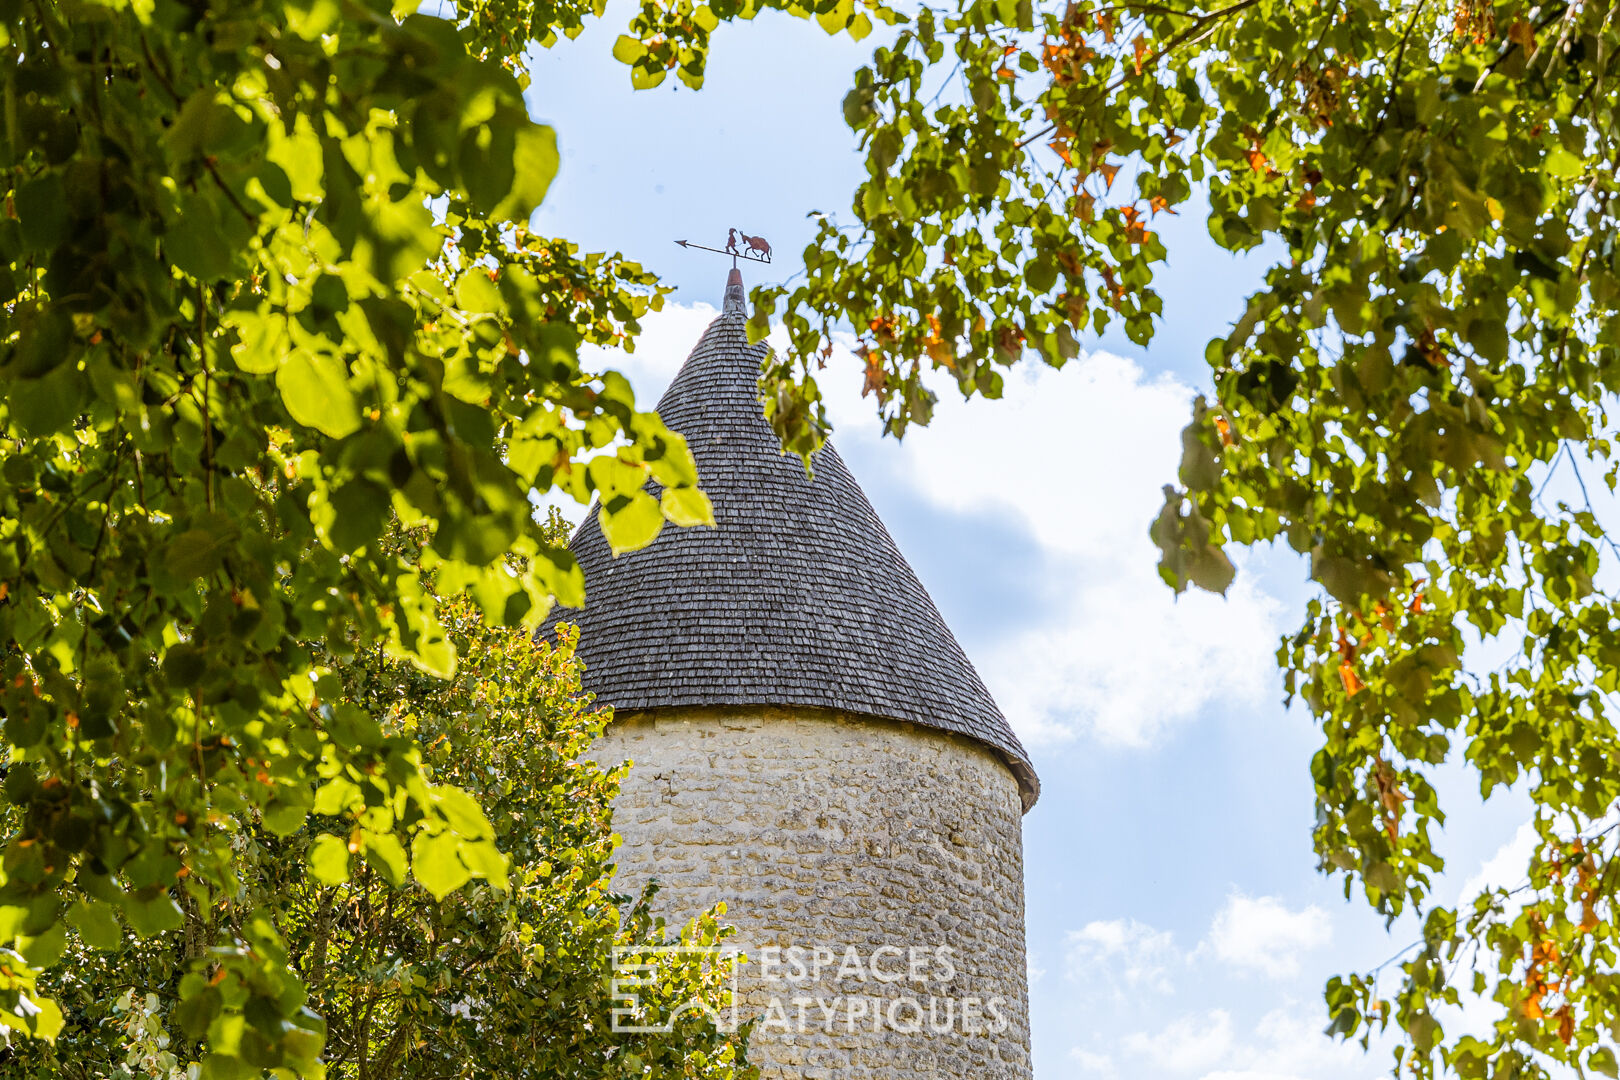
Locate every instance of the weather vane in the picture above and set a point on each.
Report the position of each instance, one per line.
(753, 249)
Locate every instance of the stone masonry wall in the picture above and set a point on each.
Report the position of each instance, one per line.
(831, 837)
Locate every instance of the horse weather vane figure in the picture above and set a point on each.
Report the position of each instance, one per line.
(753, 249)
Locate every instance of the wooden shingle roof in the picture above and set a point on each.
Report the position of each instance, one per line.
(798, 597)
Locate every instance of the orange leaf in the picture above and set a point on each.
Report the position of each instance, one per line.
(1106, 21)
(1385, 619)
(1346, 648)
(1005, 72)
(1225, 430)
(1061, 149)
(1352, 682)
(1115, 289)
(1109, 172)
(1257, 160)
(1139, 50)
(1522, 34)
(875, 376)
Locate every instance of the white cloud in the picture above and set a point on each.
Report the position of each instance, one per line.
(1187, 1044)
(1033, 969)
(1121, 954)
(1288, 1044)
(1078, 457)
(1262, 934)
(1285, 1044)
(1094, 1064)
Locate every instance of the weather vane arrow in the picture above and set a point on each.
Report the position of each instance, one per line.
(753, 249)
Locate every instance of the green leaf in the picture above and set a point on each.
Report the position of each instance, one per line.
(1602, 1061)
(1563, 164)
(36, 1016)
(97, 924)
(484, 860)
(42, 212)
(47, 405)
(475, 292)
(329, 859)
(152, 911)
(205, 126)
(384, 852)
(284, 818)
(360, 511)
(534, 164)
(315, 389)
(44, 949)
(195, 553)
(336, 796)
(436, 865)
(47, 1023)
(462, 812)
(630, 522)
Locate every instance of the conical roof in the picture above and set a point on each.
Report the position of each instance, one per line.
(799, 596)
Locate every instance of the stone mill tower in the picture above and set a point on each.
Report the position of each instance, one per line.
(813, 747)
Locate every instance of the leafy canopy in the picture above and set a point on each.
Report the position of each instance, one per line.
(417, 969)
(1430, 362)
(267, 281)
(266, 284)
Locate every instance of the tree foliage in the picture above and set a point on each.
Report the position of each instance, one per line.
(266, 282)
(1417, 399)
(417, 970)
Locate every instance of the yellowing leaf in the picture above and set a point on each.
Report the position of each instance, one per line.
(627, 50)
(687, 507)
(837, 18)
(631, 521)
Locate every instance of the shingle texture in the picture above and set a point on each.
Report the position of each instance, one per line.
(798, 597)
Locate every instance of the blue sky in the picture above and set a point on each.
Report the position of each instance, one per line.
(1177, 927)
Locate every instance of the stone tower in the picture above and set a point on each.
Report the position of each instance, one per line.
(812, 747)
